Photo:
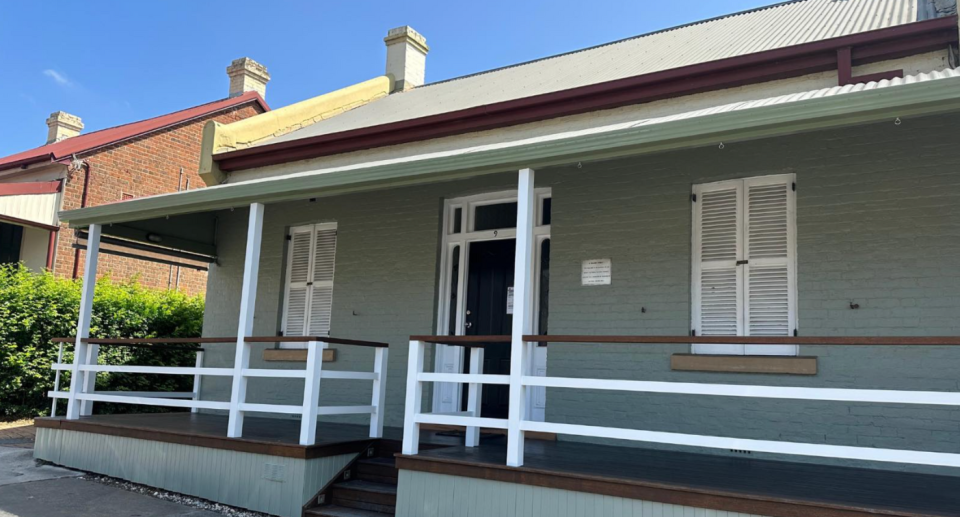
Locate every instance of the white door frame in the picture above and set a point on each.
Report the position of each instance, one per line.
(447, 396)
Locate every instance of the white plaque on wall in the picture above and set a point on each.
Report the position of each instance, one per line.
(596, 272)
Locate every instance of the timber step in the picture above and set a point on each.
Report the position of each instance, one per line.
(339, 511)
(369, 491)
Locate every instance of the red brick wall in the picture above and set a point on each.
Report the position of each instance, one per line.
(144, 166)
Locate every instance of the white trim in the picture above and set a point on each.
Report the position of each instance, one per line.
(940, 398)
(716, 442)
(697, 267)
(449, 241)
(312, 228)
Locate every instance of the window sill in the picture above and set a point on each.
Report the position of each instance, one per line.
(802, 365)
(296, 355)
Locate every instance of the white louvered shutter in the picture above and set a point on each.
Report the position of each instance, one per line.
(308, 298)
(718, 239)
(321, 296)
(769, 291)
(744, 263)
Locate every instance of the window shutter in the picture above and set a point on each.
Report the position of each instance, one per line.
(298, 274)
(308, 296)
(744, 274)
(769, 273)
(717, 281)
(321, 296)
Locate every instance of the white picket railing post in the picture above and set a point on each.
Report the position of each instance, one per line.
(411, 429)
(80, 355)
(522, 315)
(379, 398)
(311, 393)
(56, 381)
(474, 396)
(90, 381)
(248, 301)
(196, 380)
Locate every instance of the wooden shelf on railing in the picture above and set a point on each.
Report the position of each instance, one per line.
(307, 339)
(753, 340)
(467, 341)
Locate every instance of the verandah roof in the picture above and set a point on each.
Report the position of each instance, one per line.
(922, 94)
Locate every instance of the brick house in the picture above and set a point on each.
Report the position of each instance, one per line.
(140, 159)
(708, 271)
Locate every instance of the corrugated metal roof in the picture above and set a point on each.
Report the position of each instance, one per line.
(758, 30)
(839, 106)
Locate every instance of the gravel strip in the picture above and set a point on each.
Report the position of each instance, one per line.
(186, 500)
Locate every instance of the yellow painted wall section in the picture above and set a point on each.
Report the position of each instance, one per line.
(220, 138)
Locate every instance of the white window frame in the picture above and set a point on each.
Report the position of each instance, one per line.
(314, 227)
(463, 239)
(742, 329)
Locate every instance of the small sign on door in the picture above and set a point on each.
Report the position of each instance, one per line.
(596, 272)
(509, 300)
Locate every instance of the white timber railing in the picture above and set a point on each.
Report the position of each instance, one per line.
(416, 377)
(82, 395)
(309, 409)
(167, 344)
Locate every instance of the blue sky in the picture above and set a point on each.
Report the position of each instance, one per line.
(115, 62)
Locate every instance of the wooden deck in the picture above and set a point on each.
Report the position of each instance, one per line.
(763, 487)
(272, 436)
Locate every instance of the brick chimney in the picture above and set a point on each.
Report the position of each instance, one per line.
(246, 75)
(62, 126)
(406, 57)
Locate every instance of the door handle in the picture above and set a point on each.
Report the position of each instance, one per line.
(468, 324)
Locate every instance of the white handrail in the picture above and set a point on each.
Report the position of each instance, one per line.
(416, 377)
(309, 410)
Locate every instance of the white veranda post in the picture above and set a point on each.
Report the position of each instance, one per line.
(311, 392)
(381, 358)
(81, 355)
(248, 296)
(522, 315)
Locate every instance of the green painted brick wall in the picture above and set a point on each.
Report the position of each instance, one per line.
(878, 225)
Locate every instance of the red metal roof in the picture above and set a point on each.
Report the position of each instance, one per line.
(82, 143)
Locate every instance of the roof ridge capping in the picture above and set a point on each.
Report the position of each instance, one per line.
(219, 138)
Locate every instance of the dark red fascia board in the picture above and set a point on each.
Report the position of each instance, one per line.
(794, 61)
(31, 187)
(24, 222)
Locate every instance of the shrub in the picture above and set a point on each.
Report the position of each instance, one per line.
(34, 308)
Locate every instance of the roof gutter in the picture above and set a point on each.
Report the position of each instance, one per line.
(793, 61)
(634, 138)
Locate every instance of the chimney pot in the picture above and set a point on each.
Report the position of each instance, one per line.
(406, 57)
(246, 75)
(62, 125)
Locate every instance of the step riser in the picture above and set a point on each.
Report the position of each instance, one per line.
(377, 475)
(363, 496)
(363, 505)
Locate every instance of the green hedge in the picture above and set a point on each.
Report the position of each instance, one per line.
(34, 308)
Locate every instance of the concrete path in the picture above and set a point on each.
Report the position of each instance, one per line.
(31, 490)
(74, 497)
(17, 466)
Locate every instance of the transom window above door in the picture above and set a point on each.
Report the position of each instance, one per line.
(744, 263)
(492, 213)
